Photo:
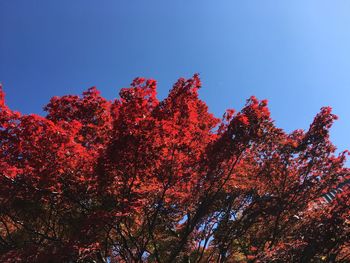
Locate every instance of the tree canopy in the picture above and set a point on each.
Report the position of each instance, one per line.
(142, 180)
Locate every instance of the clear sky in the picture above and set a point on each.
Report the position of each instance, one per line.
(295, 53)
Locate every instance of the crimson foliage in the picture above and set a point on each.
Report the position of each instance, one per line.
(142, 180)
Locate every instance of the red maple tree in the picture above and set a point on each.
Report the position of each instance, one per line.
(142, 180)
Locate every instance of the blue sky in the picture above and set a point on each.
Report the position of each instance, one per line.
(295, 53)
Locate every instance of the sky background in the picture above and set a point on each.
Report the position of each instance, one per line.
(295, 53)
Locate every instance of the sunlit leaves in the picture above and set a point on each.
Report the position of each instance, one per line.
(142, 180)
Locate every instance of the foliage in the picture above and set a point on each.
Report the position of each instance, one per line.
(142, 180)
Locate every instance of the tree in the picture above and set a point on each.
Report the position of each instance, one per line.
(142, 180)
